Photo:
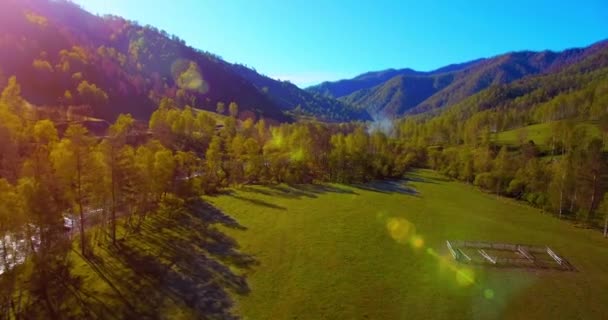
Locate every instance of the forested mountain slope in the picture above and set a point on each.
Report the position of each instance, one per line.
(65, 56)
(395, 93)
(301, 102)
(371, 79)
(561, 169)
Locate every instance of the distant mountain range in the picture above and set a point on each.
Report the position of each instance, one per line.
(400, 92)
(64, 56)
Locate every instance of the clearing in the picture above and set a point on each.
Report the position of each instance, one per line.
(540, 134)
(378, 251)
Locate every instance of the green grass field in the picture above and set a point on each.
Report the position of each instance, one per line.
(378, 252)
(539, 133)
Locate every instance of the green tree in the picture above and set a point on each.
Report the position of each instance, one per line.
(114, 156)
(11, 97)
(220, 108)
(72, 164)
(91, 94)
(164, 171)
(11, 219)
(603, 209)
(233, 109)
(213, 158)
(503, 169)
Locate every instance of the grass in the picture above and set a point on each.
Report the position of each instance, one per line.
(539, 133)
(178, 266)
(378, 252)
(373, 251)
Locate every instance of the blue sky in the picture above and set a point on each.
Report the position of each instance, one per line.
(308, 42)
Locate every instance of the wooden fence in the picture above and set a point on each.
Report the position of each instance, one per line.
(523, 255)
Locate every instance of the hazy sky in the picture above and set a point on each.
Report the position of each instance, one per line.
(308, 42)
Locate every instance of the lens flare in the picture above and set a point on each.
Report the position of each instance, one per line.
(488, 294)
(417, 242)
(188, 76)
(400, 230)
(465, 277)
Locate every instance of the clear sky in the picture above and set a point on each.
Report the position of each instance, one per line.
(310, 41)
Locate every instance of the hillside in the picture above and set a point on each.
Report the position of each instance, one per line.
(399, 92)
(291, 98)
(103, 66)
(369, 80)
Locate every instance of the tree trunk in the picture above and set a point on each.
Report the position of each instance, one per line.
(572, 201)
(606, 227)
(593, 191)
(561, 195)
(82, 239)
(80, 210)
(5, 256)
(561, 202)
(113, 213)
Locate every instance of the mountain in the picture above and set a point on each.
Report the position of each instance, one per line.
(66, 58)
(577, 90)
(291, 98)
(368, 80)
(406, 91)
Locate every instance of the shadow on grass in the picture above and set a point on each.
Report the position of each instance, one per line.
(179, 265)
(258, 202)
(212, 215)
(387, 186)
(297, 191)
(425, 179)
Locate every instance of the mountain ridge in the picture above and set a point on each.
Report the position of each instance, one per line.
(398, 92)
(109, 65)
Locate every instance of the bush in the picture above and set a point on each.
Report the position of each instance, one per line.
(486, 180)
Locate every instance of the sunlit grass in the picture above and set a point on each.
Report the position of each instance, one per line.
(539, 133)
(343, 252)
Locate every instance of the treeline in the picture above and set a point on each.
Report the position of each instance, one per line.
(566, 176)
(49, 176)
(236, 152)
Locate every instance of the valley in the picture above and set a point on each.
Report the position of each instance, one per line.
(145, 177)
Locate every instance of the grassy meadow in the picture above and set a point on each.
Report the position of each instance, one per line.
(540, 133)
(377, 251)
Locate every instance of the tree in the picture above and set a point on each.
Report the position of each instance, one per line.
(233, 108)
(11, 97)
(562, 183)
(112, 149)
(253, 160)
(482, 159)
(603, 125)
(591, 168)
(92, 94)
(72, 164)
(163, 172)
(213, 158)
(603, 209)
(236, 149)
(10, 219)
(41, 194)
(221, 108)
(503, 169)
(12, 138)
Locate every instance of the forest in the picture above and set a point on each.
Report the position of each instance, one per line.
(51, 174)
(111, 132)
(121, 178)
